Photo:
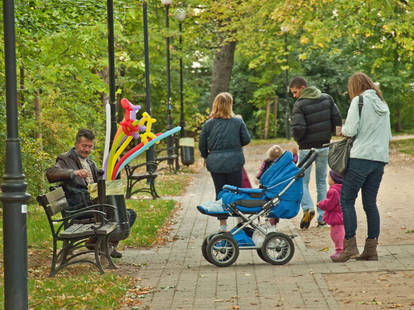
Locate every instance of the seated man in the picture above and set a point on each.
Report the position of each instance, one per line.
(75, 170)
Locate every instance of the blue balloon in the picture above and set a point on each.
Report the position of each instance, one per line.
(148, 145)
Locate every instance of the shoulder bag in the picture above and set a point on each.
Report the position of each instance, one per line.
(339, 151)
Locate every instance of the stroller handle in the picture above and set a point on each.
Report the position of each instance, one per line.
(306, 162)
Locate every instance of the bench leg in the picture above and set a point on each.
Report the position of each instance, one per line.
(54, 260)
(107, 254)
(97, 252)
(128, 190)
(154, 193)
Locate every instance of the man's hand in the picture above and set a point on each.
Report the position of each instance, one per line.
(83, 173)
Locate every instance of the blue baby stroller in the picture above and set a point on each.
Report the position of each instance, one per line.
(279, 196)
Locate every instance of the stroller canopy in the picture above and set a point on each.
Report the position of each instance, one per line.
(277, 177)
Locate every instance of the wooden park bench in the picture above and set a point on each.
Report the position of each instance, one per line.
(142, 172)
(72, 230)
(169, 154)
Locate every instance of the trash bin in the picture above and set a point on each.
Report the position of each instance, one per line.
(187, 151)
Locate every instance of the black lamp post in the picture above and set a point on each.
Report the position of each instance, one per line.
(111, 65)
(167, 4)
(148, 108)
(13, 196)
(180, 16)
(287, 112)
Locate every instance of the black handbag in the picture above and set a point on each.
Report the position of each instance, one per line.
(339, 151)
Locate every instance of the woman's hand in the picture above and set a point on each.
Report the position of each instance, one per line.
(339, 131)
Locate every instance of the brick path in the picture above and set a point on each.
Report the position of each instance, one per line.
(182, 279)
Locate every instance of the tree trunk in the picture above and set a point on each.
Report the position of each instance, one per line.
(223, 65)
(398, 124)
(266, 131)
(38, 133)
(275, 114)
(37, 115)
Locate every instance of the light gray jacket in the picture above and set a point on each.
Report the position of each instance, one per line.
(372, 131)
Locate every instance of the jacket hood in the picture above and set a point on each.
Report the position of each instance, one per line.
(380, 107)
(310, 93)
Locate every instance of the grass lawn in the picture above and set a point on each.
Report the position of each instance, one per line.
(81, 286)
(404, 146)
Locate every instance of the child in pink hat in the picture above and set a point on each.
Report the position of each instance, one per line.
(333, 212)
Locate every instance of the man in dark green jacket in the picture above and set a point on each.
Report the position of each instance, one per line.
(315, 117)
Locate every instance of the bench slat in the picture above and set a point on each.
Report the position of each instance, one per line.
(107, 228)
(78, 230)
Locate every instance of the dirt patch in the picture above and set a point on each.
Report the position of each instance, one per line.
(373, 290)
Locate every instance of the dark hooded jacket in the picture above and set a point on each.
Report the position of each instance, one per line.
(221, 142)
(75, 187)
(315, 116)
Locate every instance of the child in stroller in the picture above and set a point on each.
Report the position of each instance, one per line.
(279, 196)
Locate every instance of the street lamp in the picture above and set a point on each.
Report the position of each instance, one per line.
(285, 30)
(167, 4)
(111, 65)
(13, 196)
(150, 153)
(180, 16)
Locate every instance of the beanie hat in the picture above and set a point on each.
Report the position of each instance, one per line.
(335, 177)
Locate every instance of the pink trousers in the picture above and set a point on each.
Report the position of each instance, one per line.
(338, 235)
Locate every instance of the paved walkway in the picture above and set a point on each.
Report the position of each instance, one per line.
(182, 279)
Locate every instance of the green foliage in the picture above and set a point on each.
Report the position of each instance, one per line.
(62, 63)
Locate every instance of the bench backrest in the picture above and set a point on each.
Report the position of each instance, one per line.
(54, 201)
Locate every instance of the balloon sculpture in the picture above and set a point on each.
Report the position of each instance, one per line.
(130, 128)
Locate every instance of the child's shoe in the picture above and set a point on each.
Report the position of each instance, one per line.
(336, 255)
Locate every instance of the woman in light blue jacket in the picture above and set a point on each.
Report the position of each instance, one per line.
(369, 154)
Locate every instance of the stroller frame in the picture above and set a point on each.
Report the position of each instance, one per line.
(222, 248)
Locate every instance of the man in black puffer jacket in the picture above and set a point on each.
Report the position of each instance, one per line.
(315, 117)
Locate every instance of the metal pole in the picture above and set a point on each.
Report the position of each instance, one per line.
(169, 121)
(111, 65)
(150, 153)
(182, 119)
(287, 114)
(13, 196)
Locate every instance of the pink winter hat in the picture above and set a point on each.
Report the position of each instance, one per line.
(335, 177)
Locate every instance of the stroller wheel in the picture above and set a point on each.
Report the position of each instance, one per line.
(222, 250)
(204, 245)
(259, 252)
(278, 248)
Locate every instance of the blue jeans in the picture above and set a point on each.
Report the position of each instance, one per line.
(321, 166)
(365, 175)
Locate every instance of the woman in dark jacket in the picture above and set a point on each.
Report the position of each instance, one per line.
(221, 141)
